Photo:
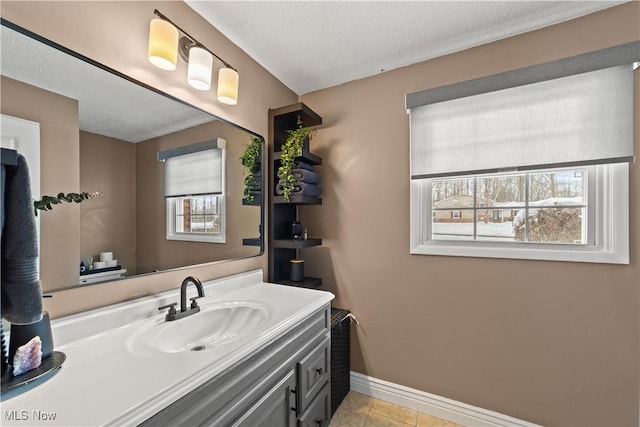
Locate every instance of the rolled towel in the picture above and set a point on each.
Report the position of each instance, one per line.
(257, 184)
(21, 293)
(3, 177)
(301, 188)
(305, 175)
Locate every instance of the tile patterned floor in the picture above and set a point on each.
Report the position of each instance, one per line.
(359, 410)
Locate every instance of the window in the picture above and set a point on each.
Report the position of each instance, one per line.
(575, 214)
(534, 207)
(535, 170)
(196, 218)
(194, 187)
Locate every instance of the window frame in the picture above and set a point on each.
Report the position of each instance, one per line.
(608, 227)
(172, 234)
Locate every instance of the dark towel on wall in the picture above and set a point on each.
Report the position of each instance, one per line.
(301, 188)
(4, 175)
(21, 293)
(303, 175)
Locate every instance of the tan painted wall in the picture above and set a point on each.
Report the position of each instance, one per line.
(58, 118)
(555, 343)
(154, 250)
(550, 342)
(108, 222)
(115, 34)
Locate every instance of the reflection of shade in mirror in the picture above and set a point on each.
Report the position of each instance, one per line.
(85, 148)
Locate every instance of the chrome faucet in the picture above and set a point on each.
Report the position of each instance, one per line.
(184, 311)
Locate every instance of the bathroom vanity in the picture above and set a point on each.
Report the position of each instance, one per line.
(256, 354)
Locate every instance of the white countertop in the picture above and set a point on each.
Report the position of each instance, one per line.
(103, 382)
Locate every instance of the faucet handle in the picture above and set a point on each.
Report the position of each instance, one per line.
(194, 304)
(171, 315)
(171, 307)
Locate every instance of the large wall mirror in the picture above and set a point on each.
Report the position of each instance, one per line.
(102, 132)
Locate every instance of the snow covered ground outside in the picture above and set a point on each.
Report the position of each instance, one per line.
(491, 231)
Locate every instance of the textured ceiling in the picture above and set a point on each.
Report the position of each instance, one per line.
(312, 45)
(108, 105)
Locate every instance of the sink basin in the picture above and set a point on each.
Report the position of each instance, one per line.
(214, 325)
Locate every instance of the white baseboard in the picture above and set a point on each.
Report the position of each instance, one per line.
(432, 404)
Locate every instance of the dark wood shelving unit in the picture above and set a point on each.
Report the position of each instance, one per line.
(257, 201)
(282, 246)
(297, 244)
(301, 200)
(308, 282)
(252, 241)
(306, 156)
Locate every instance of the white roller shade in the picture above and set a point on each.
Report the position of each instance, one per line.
(194, 169)
(580, 119)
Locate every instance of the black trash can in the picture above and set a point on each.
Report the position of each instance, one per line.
(340, 352)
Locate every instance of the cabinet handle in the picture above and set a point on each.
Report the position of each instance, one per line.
(319, 371)
(319, 422)
(293, 408)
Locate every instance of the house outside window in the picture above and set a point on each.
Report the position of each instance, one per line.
(552, 207)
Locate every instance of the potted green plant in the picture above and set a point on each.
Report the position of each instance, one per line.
(47, 202)
(250, 159)
(292, 148)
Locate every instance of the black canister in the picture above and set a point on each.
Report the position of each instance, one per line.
(22, 334)
(297, 270)
(296, 230)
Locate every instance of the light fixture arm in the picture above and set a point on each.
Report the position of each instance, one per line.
(193, 40)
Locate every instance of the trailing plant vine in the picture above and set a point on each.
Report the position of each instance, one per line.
(249, 159)
(47, 202)
(291, 149)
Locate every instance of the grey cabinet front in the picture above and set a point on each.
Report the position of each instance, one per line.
(278, 386)
(313, 373)
(276, 408)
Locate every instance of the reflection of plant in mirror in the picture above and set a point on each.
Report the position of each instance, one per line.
(291, 149)
(251, 160)
(47, 202)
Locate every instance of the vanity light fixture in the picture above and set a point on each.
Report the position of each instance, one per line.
(200, 66)
(165, 43)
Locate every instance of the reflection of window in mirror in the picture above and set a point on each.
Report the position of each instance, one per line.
(196, 218)
(194, 187)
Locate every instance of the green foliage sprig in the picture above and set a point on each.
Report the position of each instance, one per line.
(250, 157)
(47, 202)
(291, 149)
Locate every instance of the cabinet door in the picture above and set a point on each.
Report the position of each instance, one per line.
(276, 408)
(313, 373)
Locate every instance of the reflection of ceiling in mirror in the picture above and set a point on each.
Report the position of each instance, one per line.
(109, 105)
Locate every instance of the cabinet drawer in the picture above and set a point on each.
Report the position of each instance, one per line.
(313, 373)
(318, 413)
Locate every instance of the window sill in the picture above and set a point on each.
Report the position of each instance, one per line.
(198, 238)
(526, 251)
